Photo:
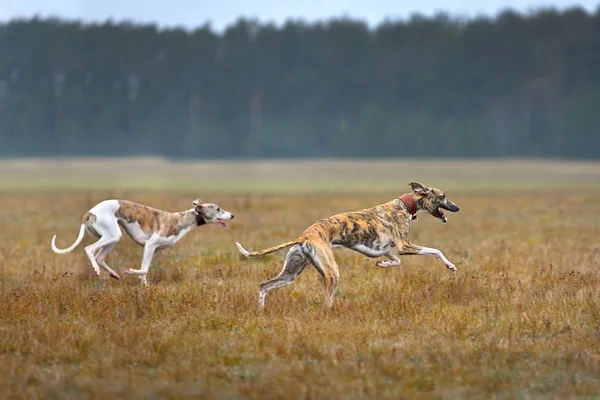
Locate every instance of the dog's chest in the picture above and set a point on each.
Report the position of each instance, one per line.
(169, 241)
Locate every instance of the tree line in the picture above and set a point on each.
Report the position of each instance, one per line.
(512, 85)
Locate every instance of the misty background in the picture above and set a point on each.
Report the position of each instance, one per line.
(508, 84)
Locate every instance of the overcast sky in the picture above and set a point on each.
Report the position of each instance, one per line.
(192, 13)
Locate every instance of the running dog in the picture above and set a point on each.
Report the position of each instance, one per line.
(153, 229)
(373, 232)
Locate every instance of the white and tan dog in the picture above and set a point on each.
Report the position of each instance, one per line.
(151, 228)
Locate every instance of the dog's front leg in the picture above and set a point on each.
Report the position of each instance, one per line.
(395, 261)
(149, 249)
(411, 249)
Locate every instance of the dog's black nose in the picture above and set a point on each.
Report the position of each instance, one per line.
(232, 216)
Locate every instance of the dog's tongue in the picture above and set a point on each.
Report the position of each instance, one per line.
(442, 216)
(444, 219)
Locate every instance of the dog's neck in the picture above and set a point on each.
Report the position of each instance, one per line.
(410, 204)
(199, 219)
(190, 218)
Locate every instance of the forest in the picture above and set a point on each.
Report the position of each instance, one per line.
(511, 85)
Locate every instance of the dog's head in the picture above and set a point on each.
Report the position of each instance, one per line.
(433, 200)
(209, 213)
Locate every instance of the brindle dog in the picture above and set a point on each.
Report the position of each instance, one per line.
(374, 232)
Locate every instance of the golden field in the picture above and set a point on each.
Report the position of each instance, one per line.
(519, 319)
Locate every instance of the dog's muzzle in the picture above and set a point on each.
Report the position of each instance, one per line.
(450, 206)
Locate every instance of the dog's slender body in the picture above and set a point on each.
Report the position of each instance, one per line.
(373, 232)
(151, 228)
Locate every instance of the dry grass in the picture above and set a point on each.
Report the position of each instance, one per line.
(520, 318)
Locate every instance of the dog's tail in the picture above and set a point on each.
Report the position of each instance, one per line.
(259, 253)
(67, 250)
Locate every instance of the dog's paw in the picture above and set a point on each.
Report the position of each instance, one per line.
(451, 267)
(115, 276)
(385, 264)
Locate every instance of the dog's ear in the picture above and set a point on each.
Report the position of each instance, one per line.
(198, 206)
(418, 188)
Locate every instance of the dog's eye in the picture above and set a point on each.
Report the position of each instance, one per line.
(218, 208)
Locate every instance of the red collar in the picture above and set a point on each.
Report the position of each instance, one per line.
(410, 204)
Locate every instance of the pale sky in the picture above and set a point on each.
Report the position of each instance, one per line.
(221, 13)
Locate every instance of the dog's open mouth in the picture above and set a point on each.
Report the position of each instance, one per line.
(220, 222)
(438, 213)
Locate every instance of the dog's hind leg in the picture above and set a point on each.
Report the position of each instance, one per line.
(322, 258)
(101, 258)
(107, 229)
(411, 249)
(295, 262)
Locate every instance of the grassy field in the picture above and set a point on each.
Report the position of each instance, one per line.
(519, 319)
(290, 176)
